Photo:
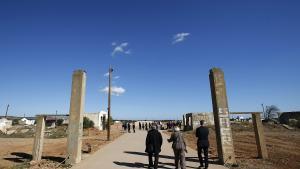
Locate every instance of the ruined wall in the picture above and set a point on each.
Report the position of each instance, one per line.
(207, 117)
(285, 116)
(192, 120)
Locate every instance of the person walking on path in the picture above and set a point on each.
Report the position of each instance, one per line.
(153, 146)
(202, 133)
(146, 126)
(128, 127)
(143, 126)
(179, 148)
(125, 126)
(133, 127)
(140, 126)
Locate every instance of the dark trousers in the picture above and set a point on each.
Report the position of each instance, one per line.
(150, 155)
(205, 150)
(179, 157)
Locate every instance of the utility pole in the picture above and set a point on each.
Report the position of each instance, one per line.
(108, 108)
(6, 111)
(55, 118)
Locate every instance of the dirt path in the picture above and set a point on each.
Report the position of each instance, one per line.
(128, 152)
(17, 151)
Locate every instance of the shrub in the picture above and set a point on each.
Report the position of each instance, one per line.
(87, 123)
(59, 122)
(15, 122)
(293, 122)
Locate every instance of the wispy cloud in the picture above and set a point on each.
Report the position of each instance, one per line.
(115, 90)
(106, 74)
(115, 77)
(121, 48)
(179, 37)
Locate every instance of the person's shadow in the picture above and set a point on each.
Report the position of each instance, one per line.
(131, 165)
(161, 164)
(212, 160)
(139, 165)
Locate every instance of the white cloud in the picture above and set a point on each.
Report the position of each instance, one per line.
(121, 48)
(106, 74)
(115, 77)
(179, 37)
(115, 90)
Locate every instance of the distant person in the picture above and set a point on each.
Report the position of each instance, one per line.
(202, 143)
(128, 126)
(133, 127)
(143, 126)
(153, 146)
(140, 126)
(179, 148)
(125, 127)
(146, 126)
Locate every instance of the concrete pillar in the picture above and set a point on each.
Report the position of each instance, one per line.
(259, 136)
(75, 128)
(38, 139)
(221, 117)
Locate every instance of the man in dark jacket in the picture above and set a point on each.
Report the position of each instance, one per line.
(128, 127)
(202, 143)
(133, 127)
(153, 146)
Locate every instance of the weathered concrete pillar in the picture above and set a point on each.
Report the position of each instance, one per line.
(38, 139)
(259, 136)
(75, 127)
(221, 117)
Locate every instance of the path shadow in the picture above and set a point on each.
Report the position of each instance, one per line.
(145, 154)
(139, 165)
(131, 165)
(23, 157)
(212, 160)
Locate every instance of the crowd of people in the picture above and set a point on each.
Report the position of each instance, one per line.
(127, 126)
(154, 142)
(172, 124)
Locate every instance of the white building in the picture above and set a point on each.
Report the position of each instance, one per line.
(5, 124)
(25, 121)
(99, 119)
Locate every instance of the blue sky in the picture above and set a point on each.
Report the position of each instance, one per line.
(256, 43)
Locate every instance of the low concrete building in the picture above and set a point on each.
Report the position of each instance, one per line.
(27, 121)
(51, 119)
(99, 119)
(5, 124)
